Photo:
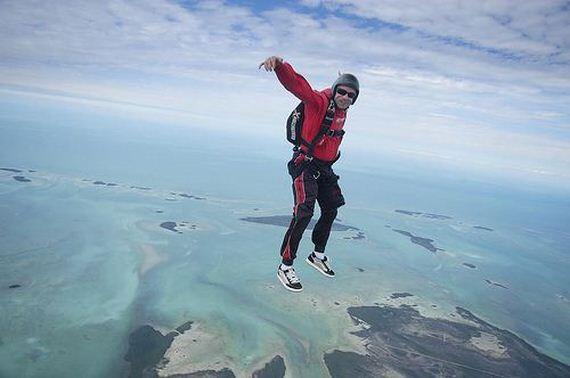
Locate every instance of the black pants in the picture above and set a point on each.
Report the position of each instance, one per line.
(312, 182)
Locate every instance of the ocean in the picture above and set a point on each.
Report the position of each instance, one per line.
(109, 223)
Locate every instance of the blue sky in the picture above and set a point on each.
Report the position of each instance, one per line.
(482, 85)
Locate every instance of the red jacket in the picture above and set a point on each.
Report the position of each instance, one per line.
(316, 104)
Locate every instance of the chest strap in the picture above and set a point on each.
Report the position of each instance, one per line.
(325, 130)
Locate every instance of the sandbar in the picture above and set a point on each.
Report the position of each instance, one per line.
(151, 258)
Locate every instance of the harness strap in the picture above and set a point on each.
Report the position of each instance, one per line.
(335, 133)
(302, 155)
(325, 129)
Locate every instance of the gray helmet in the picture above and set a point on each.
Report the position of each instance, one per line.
(350, 81)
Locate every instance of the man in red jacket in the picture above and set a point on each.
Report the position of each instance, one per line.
(311, 165)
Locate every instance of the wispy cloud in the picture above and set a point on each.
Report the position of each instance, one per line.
(524, 30)
(476, 81)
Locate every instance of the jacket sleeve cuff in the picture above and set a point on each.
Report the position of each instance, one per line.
(280, 67)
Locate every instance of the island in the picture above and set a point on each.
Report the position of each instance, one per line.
(104, 183)
(407, 212)
(175, 227)
(189, 196)
(470, 265)
(147, 347)
(483, 228)
(400, 341)
(400, 295)
(273, 369)
(424, 242)
(425, 215)
(285, 220)
(496, 284)
(21, 179)
(171, 226)
(13, 170)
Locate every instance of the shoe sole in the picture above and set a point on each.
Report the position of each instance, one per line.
(287, 287)
(318, 269)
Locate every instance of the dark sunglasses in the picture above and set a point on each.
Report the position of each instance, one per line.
(342, 92)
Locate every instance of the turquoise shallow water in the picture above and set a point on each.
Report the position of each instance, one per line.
(93, 262)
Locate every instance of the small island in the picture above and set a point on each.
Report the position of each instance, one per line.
(483, 228)
(190, 196)
(171, 226)
(104, 183)
(424, 215)
(285, 220)
(21, 179)
(496, 284)
(175, 226)
(424, 242)
(470, 265)
(400, 295)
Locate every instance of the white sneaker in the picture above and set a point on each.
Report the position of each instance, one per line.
(320, 265)
(289, 279)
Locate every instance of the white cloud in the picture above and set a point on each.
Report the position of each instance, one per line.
(418, 92)
(529, 27)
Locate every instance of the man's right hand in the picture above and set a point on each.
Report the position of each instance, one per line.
(271, 63)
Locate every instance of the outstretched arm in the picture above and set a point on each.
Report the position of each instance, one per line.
(290, 79)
